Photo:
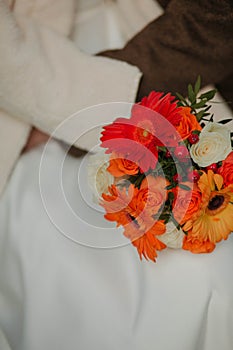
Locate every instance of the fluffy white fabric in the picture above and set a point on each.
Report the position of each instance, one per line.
(44, 77)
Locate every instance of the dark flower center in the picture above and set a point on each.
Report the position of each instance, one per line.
(216, 202)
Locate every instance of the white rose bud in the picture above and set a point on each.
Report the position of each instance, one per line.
(213, 146)
(99, 179)
(173, 238)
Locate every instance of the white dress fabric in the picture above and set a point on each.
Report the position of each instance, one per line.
(58, 294)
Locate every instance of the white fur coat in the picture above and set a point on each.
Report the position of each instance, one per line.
(44, 77)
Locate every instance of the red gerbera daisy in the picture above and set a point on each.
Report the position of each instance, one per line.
(134, 140)
(164, 105)
(151, 125)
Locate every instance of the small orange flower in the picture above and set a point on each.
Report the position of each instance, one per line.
(226, 170)
(187, 124)
(214, 221)
(120, 166)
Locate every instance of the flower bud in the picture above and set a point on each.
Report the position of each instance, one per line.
(193, 138)
(193, 176)
(213, 167)
(177, 178)
(181, 152)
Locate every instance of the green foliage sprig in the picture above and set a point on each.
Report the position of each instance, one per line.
(198, 103)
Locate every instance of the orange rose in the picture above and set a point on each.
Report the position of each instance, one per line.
(186, 203)
(226, 170)
(120, 166)
(187, 124)
(153, 193)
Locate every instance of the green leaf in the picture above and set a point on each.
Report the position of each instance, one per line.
(225, 121)
(208, 95)
(200, 104)
(197, 85)
(197, 132)
(184, 187)
(181, 98)
(170, 187)
(191, 94)
(199, 115)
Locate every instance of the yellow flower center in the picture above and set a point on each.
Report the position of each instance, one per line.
(144, 132)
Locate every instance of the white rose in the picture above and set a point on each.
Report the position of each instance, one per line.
(173, 238)
(214, 145)
(99, 179)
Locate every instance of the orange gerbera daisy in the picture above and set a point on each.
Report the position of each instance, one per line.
(215, 219)
(117, 204)
(148, 243)
(129, 209)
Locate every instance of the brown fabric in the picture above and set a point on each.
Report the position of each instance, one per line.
(163, 3)
(190, 38)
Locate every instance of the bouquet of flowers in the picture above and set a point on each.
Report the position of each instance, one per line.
(170, 174)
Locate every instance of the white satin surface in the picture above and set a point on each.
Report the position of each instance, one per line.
(57, 294)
